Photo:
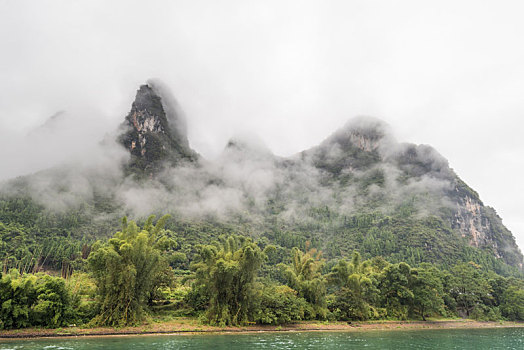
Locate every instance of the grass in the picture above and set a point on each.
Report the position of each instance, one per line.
(188, 324)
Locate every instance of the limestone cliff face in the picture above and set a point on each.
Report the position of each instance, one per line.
(364, 142)
(154, 134)
(469, 220)
(482, 227)
(478, 224)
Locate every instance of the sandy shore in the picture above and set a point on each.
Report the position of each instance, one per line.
(189, 326)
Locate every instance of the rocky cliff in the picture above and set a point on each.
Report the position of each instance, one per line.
(154, 133)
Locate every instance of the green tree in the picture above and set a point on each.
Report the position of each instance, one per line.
(17, 295)
(512, 301)
(469, 287)
(126, 270)
(427, 289)
(395, 292)
(225, 273)
(356, 289)
(304, 275)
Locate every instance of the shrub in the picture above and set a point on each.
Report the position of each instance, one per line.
(34, 300)
(280, 305)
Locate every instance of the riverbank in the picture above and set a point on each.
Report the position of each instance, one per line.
(191, 325)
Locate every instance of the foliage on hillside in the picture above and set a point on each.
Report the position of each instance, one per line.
(236, 281)
(33, 238)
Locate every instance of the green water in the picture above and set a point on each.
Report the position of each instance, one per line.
(507, 338)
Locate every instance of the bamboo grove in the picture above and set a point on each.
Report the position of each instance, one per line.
(141, 271)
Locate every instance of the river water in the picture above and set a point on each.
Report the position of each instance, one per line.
(477, 339)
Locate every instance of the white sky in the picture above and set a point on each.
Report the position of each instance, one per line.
(445, 73)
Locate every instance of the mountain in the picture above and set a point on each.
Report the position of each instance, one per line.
(364, 152)
(360, 189)
(155, 132)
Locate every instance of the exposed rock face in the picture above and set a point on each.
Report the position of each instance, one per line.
(483, 228)
(154, 133)
(468, 219)
(363, 142)
(477, 223)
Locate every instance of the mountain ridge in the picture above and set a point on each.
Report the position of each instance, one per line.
(359, 189)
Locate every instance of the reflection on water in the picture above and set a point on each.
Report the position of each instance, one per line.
(478, 339)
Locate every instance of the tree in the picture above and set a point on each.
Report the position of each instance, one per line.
(225, 273)
(427, 291)
(512, 301)
(127, 269)
(304, 275)
(395, 291)
(469, 287)
(357, 290)
(17, 295)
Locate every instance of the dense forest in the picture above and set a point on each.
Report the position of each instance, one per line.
(33, 238)
(147, 269)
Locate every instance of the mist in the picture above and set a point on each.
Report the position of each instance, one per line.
(242, 182)
(447, 74)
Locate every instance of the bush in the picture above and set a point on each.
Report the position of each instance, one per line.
(482, 312)
(280, 305)
(34, 300)
(53, 307)
(348, 306)
(513, 303)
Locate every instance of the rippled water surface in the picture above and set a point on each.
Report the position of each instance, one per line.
(507, 338)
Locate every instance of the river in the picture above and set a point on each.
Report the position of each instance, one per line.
(477, 339)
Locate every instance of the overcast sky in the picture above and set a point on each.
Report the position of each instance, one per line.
(445, 73)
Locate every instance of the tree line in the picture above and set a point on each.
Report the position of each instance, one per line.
(237, 281)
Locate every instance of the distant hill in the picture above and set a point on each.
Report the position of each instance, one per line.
(360, 189)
